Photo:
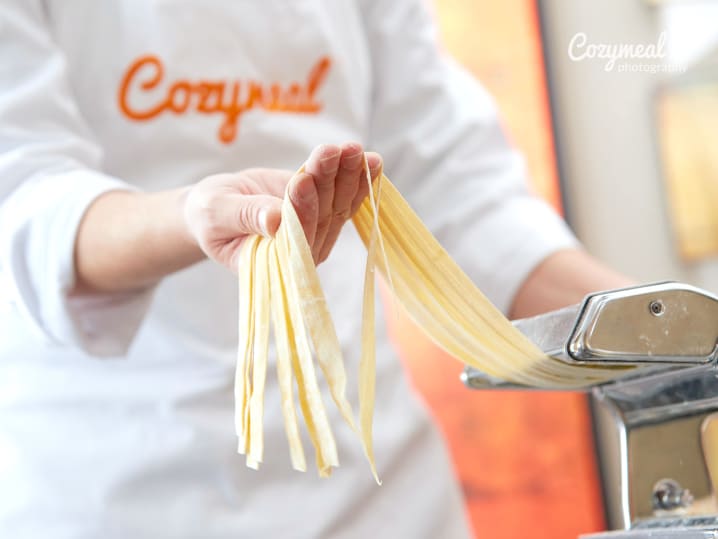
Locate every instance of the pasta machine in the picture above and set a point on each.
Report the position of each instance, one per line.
(657, 423)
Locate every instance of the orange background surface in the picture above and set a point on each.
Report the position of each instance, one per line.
(525, 459)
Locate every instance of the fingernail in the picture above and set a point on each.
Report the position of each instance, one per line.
(264, 221)
(352, 161)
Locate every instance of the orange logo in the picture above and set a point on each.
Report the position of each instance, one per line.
(230, 99)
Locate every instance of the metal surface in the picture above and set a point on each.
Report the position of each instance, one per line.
(669, 495)
(657, 426)
(652, 326)
(661, 323)
(651, 431)
(551, 331)
(671, 533)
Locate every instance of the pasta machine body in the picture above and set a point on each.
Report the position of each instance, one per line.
(657, 423)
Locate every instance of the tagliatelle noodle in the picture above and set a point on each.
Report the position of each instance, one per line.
(280, 274)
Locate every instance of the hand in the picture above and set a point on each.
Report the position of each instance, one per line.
(222, 210)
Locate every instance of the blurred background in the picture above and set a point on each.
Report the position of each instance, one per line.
(628, 151)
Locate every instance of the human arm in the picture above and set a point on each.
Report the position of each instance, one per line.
(442, 140)
(563, 278)
(51, 173)
(129, 240)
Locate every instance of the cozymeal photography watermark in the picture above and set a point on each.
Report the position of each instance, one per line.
(624, 57)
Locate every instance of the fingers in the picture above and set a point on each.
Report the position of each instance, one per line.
(330, 191)
(302, 192)
(247, 214)
(219, 220)
(221, 210)
(348, 183)
(375, 166)
(323, 164)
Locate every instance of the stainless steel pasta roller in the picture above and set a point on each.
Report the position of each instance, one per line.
(656, 424)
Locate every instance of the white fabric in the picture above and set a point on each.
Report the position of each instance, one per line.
(116, 411)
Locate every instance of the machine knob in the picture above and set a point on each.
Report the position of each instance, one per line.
(668, 494)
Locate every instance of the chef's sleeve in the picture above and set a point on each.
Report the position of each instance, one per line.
(444, 147)
(49, 175)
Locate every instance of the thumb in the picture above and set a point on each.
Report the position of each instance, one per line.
(256, 214)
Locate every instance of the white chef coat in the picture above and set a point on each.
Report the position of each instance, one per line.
(116, 410)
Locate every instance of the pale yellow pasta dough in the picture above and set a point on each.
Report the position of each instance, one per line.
(279, 276)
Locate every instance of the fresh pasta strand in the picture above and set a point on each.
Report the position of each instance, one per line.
(278, 280)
